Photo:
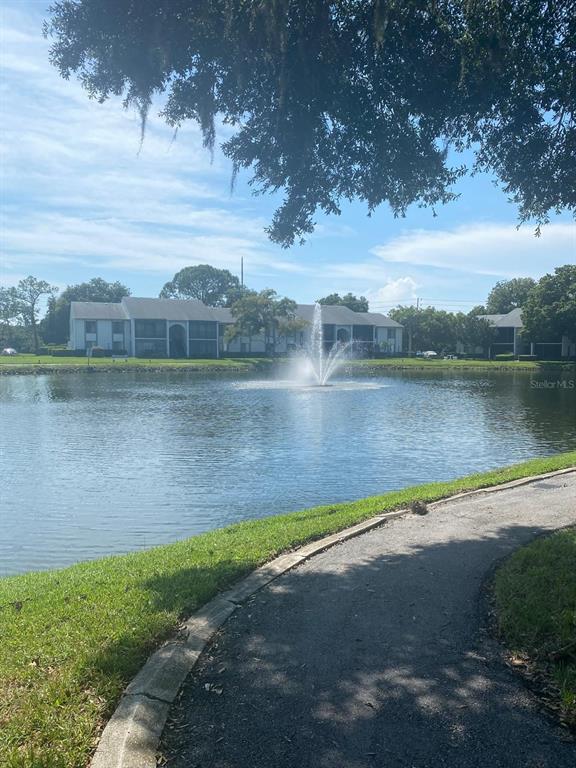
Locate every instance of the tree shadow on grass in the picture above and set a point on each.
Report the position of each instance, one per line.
(379, 661)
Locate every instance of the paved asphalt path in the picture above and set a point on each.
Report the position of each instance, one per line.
(375, 653)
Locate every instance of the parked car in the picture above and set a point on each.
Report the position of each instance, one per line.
(8, 351)
(430, 353)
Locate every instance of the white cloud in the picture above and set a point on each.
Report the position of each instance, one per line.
(82, 192)
(394, 292)
(115, 243)
(499, 250)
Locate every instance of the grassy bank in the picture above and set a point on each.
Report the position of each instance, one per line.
(535, 593)
(47, 363)
(34, 363)
(71, 639)
(418, 363)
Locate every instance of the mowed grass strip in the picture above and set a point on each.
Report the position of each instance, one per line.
(32, 363)
(39, 361)
(420, 363)
(535, 593)
(70, 640)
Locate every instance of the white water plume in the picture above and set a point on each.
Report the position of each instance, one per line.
(323, 365)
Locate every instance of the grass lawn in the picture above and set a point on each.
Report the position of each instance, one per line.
(70, 640)
(32, 363)
(495, 365)
(36, 361)
(535, 592)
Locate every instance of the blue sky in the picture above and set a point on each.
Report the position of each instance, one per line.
(78, 200)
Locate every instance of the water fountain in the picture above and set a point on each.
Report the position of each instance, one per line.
(313, 368)
(323, 365)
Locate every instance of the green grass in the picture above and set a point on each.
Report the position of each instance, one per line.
(535, 592)
(36, 361)
(494, 365)
(70, 640)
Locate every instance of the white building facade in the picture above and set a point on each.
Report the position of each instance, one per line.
(509, 338)
(141, 327)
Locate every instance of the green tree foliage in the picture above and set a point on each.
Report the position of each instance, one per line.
(214, 287)
(427, 329)
(344, 99)
(263, 313)
(435, 329)
(508, 295)
(474, 333)
(355, 303)
(8, 306)
(550, 310)
(55, 326)
(12, 332)
(21, 304)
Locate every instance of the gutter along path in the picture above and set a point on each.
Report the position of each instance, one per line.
(375, 653)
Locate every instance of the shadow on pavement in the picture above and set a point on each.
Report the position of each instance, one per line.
(379, 660)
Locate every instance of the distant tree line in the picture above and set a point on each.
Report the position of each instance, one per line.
(548, 310)
(548, 313)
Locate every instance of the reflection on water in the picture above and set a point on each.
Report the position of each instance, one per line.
(97, 464)
(296, 388)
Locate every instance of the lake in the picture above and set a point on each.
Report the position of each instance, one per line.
(95, 464)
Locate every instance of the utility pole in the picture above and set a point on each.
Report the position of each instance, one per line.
(242, 271)
(410, 328)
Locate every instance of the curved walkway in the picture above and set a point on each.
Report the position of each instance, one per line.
(374, 653)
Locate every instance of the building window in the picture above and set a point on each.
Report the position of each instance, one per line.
(363, 333)
(391, 334)
(90, 326)
(202, 348)
(202, 330)
(504, 336)
(150, 329)
(150, 347)
(118, 327)
(329, 332)
(118, 346)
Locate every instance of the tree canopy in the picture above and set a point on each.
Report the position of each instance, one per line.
(508, 295)
(264, 313)
(215, 287)
(55, 325)
(355, 303)
(550, 310)
(334, 100)
(441, 331)
(21, 304)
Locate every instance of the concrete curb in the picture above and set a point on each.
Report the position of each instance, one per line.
(131, 737)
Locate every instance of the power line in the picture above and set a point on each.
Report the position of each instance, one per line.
(420, 300)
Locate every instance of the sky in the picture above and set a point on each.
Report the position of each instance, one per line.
(79, 198)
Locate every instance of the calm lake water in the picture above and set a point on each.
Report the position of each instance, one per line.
(106, 463)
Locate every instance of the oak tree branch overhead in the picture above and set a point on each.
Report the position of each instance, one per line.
(336, 100)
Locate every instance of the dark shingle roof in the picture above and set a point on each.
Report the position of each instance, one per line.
(512, 319)
(168, 309)
(336, 314)
(97, 310)
(190, 309)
